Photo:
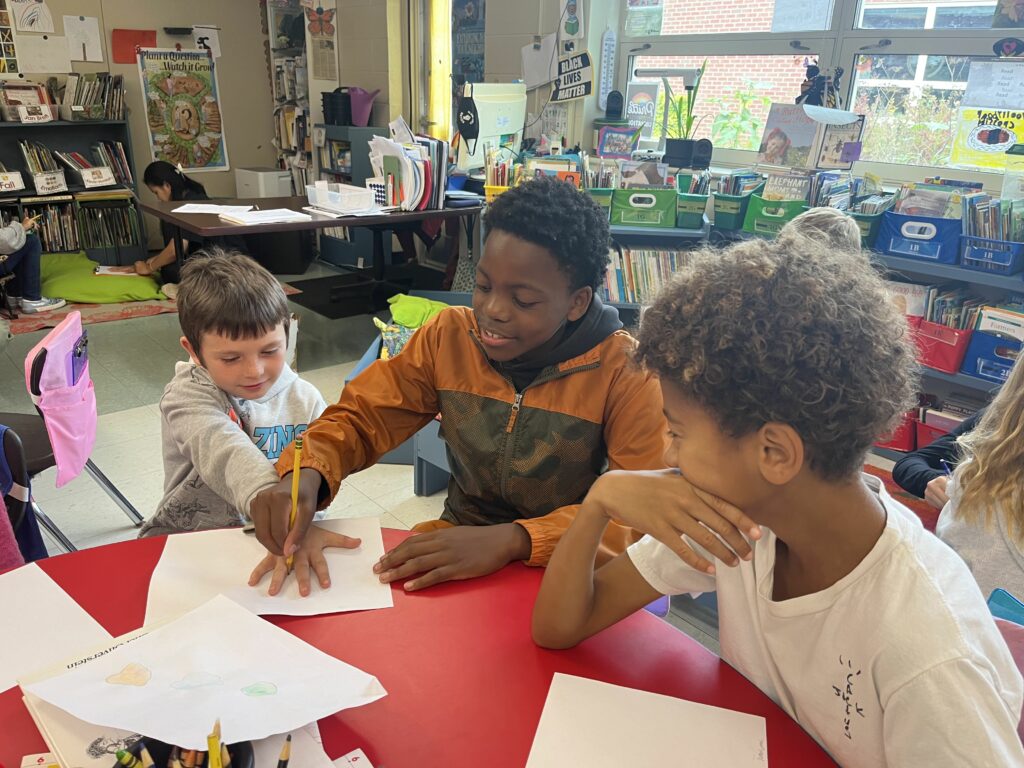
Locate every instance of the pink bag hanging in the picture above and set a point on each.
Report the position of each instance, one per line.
(66, 397)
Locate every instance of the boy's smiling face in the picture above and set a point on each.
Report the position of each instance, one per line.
(522, 296)
(244, 368)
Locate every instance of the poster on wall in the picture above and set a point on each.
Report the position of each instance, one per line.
(8, 54)
(641, 104)
(31, 15)
(468, 40)
(643, 18)
(570, 29)
(183, 108)
(323, 55)
(984, 135)
(575, 78)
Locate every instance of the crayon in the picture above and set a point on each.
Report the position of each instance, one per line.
(127, 759)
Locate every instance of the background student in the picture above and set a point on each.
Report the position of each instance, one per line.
(536, 389)
(860, 624)
(20, 252)
(926, 471)
(984, 519)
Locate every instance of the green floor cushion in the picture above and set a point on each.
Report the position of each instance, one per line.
(70, 276)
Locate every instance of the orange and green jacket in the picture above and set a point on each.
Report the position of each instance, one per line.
(528, 457)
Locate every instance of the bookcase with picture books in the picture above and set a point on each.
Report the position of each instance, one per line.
(66, 156)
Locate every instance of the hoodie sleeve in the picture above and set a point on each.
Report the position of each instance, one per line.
(634, 431)
(198, 418)
(12, 237)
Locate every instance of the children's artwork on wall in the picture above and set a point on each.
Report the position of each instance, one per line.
(8, 52)
(218, 661)
(31, 15)
(617, 143)
(468, 40)
(83, 38)
(570, 30)
(183, 108)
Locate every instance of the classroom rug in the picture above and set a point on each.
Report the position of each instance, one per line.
(92, 313)
(928, 514)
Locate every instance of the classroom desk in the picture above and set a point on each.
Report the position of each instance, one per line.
(465, 682)
(211, 225)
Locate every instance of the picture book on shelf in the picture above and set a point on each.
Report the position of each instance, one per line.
(788, 186)
(800, 136)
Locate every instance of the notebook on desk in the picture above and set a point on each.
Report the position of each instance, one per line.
(271, 216)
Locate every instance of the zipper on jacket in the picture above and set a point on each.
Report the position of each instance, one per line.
(514, 414)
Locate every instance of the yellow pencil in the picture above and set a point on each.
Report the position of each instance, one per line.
(295, 491)
(213, 744)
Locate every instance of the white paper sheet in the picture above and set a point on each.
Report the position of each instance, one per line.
(207, 36)
(584, 723)
(540, 65)
(44, 54)
(31, 16)
(219, 661)
(83, 37)
(211, 208)
(196, 566)
(995, 85)
(44, 624)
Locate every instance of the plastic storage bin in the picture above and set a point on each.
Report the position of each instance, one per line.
(603, 197)
(767, 217)
(904, 438)
(870, 225)
(491, 192)
(644, 207)
(999, 257)
(942, 348)
(690, 210)
(921, 237)
(990, 357)
(340, 198)
(927, 434)
(730, 210)
(12, 115)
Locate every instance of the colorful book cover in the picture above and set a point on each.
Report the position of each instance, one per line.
(789, 137)
(834, 142)
(984, 135)
(793, 186)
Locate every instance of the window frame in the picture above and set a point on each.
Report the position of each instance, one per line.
(837, 46)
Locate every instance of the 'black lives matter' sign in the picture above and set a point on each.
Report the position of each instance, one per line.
(575, 78)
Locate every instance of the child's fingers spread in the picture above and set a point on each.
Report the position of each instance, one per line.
(280, 573)
(319, 565)
(727, 532)
(301, 568)
(687, 525)
(339, 540)
(265, 566)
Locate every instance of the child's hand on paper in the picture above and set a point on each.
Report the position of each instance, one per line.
(461, 552)
(309, 556)
(671, 508)
(272, 508)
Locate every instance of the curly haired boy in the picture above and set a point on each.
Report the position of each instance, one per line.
(779, 364)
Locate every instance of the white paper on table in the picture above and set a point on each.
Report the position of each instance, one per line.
(83, 38)
(586, 722)
(540, 65)
(197, 566)
(45, 624)
(219, 661)
(43, 54)
(995, 85)
(211, 208)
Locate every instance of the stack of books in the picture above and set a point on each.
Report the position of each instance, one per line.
(830, 189)
(38, 158)
(637, 275)
(739, 182)
(56, 226)
(874, 204)
(935, 197)
(107, 219)
(112, 155)
(96, 89)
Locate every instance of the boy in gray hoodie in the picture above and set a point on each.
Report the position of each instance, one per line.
(20, 252)
(229, 412)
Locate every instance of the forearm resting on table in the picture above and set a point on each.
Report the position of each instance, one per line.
(575, 602)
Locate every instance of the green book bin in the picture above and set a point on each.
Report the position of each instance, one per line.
(654, 208)
(767, 217)
(730, 210)
(870, 224)
(603, 197)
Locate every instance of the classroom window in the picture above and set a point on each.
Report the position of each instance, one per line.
(735, 93)
(911, 105)
(947, 14)
(653, 18)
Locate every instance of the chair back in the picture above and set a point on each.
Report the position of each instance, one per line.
(67, 404)
(14, 478)
(1005, 606)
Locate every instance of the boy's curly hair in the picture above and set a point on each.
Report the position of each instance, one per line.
(553, 214)
(830, 226)
(791, 332)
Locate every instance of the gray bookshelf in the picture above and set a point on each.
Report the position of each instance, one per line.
(73, 136)
(348, 253)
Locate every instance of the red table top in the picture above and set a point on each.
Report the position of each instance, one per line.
(465, 682)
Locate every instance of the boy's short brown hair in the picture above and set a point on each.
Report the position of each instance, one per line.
(227, 292)
(794, 332)
(826, 225)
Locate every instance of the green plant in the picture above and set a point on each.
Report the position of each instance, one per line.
(740, 118)
(903, 127)
(682, 122)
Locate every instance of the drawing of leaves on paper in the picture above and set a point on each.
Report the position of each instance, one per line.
(32, 16)
(131, 674)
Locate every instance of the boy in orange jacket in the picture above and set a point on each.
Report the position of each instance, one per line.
(537, 395)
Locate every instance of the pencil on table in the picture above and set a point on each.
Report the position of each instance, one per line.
(295, 492)
(214, 745)
(286, 752)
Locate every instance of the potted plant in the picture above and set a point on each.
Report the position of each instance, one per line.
(682, 124)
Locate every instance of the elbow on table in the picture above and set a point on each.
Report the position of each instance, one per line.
(548, 635)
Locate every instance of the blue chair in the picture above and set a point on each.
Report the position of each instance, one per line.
(1005, 606)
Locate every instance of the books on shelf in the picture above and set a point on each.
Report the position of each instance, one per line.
(336, 155)
(937, 200)
(873, 204)
(56, 226)
(738, 182)
(38, 158)
(112, 155)
(830, 189)
(787, 186)
(799, 136)
(101, 94)
(18, 94)
(637, 274)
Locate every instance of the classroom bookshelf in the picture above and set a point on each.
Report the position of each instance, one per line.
(290, 88)
(104, 222)
(645, 259)
(339, 246)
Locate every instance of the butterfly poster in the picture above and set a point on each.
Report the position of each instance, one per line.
(323, 40)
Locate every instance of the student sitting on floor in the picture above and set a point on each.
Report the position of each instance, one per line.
(229, 412)
(20, 253)
(779, 364)
(984, 519)
(536, 391)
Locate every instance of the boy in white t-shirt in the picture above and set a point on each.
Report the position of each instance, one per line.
(779, 364)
